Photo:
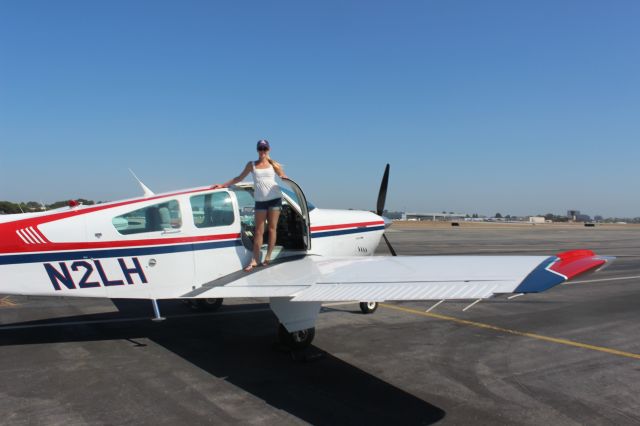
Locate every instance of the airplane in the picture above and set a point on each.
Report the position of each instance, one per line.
(192, 245)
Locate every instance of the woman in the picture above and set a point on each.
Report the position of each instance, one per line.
(268, 199)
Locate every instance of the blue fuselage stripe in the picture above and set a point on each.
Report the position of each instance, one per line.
(346, 231)
(58, 256)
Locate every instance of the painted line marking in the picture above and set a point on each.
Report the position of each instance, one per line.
(6, 302)
(601, 280)
(514, 332)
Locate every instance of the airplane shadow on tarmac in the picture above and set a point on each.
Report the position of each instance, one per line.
(239, 347)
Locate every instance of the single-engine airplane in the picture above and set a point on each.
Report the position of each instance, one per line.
(192, 245)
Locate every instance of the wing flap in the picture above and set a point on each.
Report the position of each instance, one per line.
(379, 292)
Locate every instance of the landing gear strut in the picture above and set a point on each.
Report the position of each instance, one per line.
(297, 340)
(368, 307)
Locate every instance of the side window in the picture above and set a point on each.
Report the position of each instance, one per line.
(157, 217)
(211, 210)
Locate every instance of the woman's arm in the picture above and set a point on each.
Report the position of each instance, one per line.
(245, 172)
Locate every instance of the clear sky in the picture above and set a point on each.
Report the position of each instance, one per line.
(518, 107)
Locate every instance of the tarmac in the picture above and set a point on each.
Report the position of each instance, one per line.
(569, 356)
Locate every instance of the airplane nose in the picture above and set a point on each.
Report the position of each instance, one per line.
(387, 222)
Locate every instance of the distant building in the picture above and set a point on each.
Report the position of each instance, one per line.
(576, 216)
(573, 214)
(435, 216)
(537, 219)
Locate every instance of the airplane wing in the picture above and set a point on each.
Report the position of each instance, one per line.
(380, 278)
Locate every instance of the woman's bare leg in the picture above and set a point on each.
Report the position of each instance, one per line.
(261, 216)
(273, 216)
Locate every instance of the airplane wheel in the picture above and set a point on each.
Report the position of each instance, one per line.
(368, 307)
(298, 339)
(210, 304)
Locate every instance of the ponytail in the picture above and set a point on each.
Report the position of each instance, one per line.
(276, 166)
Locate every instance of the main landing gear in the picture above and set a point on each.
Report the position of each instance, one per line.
(209, 305)
(297, 340)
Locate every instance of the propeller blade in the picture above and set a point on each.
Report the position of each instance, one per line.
(393, 252)
(382, 198)
(382, 194)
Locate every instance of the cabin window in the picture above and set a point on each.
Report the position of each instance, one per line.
(209, 210)
(158, 217)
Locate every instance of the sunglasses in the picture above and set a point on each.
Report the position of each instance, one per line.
(262, 148)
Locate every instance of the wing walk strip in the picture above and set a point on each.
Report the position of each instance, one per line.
(226, 279)
(514, 332)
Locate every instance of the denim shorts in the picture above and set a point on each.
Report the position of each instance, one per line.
(275, 204)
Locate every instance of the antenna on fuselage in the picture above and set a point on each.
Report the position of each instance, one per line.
(145, 189)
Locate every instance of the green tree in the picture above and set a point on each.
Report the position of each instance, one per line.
(9, 208)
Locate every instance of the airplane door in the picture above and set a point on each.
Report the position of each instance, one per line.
(301, 200)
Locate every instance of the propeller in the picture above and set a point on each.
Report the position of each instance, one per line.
(382, 197)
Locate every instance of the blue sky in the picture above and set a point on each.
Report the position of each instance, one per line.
(518, 107)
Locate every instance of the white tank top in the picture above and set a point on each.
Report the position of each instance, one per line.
(264, 182)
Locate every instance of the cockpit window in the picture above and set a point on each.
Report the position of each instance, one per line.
(246, 205)
(158, 217)
(209, 210)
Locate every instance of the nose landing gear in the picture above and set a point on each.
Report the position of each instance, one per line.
(368, 307)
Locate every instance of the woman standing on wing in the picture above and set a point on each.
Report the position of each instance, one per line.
(268, 199)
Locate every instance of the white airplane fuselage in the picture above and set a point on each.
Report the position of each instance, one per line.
(110, 250)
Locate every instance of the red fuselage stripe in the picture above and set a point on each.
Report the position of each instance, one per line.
(346, 225)
(122, 243)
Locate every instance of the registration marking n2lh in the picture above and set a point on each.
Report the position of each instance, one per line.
(61, 274)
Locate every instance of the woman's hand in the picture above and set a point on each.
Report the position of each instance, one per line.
(218, 185)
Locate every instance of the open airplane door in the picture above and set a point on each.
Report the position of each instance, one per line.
(294, 191)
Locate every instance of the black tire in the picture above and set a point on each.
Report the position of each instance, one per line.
(298, 339)
(210, 304)
(368, 307)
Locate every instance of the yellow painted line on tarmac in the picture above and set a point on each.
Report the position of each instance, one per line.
(514, 332)
(6, 302)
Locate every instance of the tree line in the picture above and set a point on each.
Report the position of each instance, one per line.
(8, 207)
